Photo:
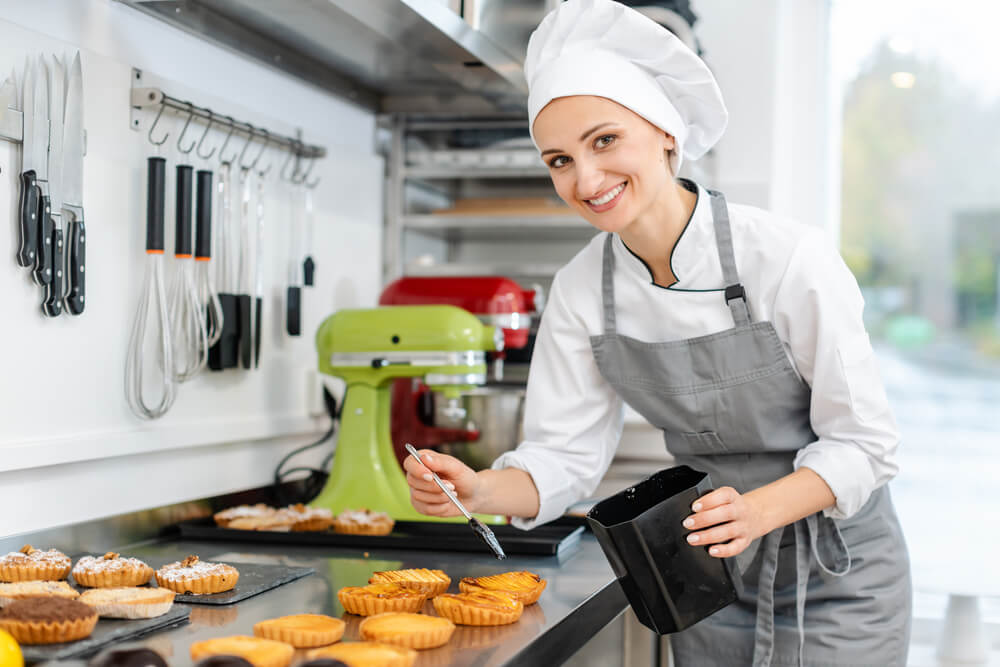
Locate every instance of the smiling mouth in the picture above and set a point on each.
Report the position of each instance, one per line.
(607, 196)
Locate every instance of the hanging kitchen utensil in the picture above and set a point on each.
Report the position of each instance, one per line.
(152, 297)
(52, 290)
(670, 584)
(31, 159)
(258, 269)
(207, 294)
(308, 266)
(187, 326)
(224, 354)
(73, 190)
(484, 533)
(35, 209)
(293, 293)
(243, 302)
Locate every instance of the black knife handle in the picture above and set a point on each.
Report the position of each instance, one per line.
(155, 187)
(246, 347)
(258, 307)
(203, 216)
(52, 305)
(182, 233)
(224, 354)
(308, 269)
(43, 254)
(293, 311)
(75, 265)
(28, 217)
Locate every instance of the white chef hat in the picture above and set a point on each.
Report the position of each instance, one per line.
(603, 48)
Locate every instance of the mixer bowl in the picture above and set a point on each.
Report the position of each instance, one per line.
(496, 412)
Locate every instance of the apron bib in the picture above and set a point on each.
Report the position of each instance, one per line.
(818, 592)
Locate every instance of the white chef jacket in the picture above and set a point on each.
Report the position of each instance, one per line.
(793, 277)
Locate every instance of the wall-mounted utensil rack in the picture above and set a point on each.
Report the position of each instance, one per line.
(152, 97)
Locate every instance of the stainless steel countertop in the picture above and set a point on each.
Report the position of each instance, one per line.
(580, 599)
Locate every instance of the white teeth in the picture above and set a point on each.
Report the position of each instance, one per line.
(600, 201)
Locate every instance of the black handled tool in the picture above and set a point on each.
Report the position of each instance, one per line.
(53, 290)
(28, 218)
(42, 273)
(76, 237)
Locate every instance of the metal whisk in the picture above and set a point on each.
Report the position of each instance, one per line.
(207, 294)
(152, 297)
(187, 330)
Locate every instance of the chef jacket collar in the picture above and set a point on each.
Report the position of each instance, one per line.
(693, 260)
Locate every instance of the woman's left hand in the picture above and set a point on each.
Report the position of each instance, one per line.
(725, 521)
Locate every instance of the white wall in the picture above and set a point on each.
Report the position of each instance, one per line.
(70, 449)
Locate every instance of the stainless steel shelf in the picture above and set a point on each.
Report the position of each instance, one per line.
(417, 171)
(498, 228)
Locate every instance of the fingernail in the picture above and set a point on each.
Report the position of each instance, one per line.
(689, 523)
(451, 487)
(714, 551)
(693, 538)
(427, 457)
(428, 477)
(696, 507)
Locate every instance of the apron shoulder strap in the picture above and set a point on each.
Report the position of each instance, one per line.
(735, 294)
(608, 285)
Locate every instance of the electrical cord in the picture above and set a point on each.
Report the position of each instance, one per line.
(313, 483)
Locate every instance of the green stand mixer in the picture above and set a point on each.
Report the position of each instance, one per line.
(368, 348)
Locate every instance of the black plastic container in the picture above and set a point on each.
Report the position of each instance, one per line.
(670, 584)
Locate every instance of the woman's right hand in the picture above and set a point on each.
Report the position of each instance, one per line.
(425, 495)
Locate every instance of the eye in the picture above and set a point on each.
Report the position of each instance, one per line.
(605, 141)
(558, 161)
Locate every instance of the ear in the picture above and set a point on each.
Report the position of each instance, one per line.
(669, 143)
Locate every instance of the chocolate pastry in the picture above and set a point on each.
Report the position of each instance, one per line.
(132, 657)
(224, 661)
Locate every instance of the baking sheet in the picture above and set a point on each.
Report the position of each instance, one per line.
(551, 539)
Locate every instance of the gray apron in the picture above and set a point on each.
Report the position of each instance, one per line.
(818, 592)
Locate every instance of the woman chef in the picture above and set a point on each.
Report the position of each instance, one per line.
(737, 333)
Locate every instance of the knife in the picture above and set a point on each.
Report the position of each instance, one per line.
(72, 179)
(40, 150)
(28, 206)
(484, 533)
(53, 289)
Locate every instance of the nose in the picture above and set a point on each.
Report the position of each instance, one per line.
(589, 178)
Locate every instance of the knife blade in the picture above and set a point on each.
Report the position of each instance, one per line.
(53, 290)
(8, 97)
(28, 205)
(40, 147)
(72, 179)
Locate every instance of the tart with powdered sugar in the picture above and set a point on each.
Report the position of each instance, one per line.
(111, 571)
(305, 518)
(363, 522)
(20, 590)
(198, 577)
(31, 564)
(227, 516)
(132, 602)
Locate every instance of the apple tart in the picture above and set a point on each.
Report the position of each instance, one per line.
(479, 608)
(525, 586)
(379, 598)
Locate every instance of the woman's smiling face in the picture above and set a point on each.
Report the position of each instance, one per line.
(606, 162)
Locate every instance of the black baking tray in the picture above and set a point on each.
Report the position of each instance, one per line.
(550, 539)
(107, 631)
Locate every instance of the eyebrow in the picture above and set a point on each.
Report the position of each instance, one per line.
(582, 137)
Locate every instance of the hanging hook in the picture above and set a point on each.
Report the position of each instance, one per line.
(239, 160)
(232, 128)
(211, 119)
(301, 180)
(187, 123)
(153, 127)
(267, 140)
(284, 167)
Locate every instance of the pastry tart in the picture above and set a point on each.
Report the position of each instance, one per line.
(111, 571)
(302, 630)
(47, 620)
(378, 598)
(223, 518)
(525, 586)
(366, 654)
(259, 652)
(199, 577)
(31, 564)
(27, 589)
(408, 630)
(363, 522)
(429, 582)
(309, 518)
(479, 608)
(132, 602)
